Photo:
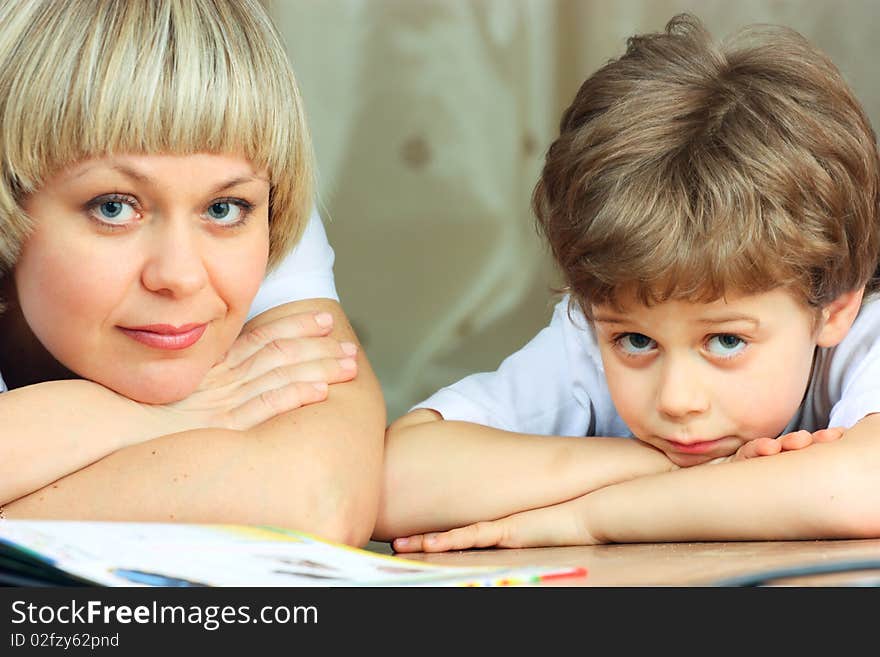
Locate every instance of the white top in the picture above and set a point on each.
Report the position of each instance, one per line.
(555, 385)
(306, 273)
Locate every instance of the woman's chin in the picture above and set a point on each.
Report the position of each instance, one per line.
(155, 390)
(157, 397)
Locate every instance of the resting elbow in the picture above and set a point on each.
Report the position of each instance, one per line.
(353, 526)
(853, 511)
(341, 513)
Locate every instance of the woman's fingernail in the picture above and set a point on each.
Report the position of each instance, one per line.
(349, 347)
(401, 541)
(347, 363)
(324, 320)
(320, 386)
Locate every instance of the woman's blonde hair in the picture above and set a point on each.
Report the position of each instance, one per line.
(85, 78)
(685, 169)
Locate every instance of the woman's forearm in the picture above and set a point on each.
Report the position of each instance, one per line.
(441, 474)
(210, 475)
(316, 469)
(52, 429)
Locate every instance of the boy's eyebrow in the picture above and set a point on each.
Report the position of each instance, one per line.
(610, 319)
(725, 319)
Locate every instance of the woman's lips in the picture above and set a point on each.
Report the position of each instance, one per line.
(165, 336)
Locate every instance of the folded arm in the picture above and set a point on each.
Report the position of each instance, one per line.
(52, 429)
(316, 468)
(442, 474)
(827, 491)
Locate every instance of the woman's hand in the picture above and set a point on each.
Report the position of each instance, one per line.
(271, 369)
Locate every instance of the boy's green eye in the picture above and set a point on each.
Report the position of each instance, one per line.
(111, 209)
(725, 344)
(635, 343)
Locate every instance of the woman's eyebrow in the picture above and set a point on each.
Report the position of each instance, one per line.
(237, 181)
(143, 178)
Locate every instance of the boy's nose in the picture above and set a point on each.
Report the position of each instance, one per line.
(680, 392)
(174, 264)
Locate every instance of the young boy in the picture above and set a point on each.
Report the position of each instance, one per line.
(714, 212)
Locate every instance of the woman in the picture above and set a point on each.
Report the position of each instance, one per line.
(156, 163)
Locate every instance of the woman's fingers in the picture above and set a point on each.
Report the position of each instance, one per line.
(288, 352)
(299, 325)
(273, 402)
(325, 370)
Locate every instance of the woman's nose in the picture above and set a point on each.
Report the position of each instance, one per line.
(174, 265)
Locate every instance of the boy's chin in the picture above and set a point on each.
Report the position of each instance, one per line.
(689, 460)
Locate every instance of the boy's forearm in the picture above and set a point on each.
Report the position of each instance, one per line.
(441, 474)
(55, 428)
(828, 490)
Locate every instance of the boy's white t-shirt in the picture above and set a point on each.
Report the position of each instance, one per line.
(306, 273)
(555, 384)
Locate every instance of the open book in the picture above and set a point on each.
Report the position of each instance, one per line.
(57, 553)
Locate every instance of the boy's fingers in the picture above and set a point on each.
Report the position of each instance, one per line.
(758, 447)
(766, 447)
(747, 451)
(455, 539)
(479, 535)
(829, 434)
(408, 543)
(796, 440)
(299, 325)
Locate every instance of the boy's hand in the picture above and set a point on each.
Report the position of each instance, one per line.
(556, 525)
(785, 443)
(274, 368)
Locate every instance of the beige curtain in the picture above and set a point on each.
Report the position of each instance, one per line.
(430, 119)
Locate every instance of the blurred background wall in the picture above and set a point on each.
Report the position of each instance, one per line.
(430, 120)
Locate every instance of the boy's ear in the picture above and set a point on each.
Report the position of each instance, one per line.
(838, 316)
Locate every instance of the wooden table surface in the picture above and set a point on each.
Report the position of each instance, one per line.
(681, 564)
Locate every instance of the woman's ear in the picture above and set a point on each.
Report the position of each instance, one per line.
(838, 316)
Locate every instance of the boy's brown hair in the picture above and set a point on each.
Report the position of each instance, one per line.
(685, 169)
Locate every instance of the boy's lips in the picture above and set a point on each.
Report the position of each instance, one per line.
(695, 447)
(165, 336)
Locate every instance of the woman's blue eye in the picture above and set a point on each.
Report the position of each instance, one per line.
(224, 212)
(725, 344)
(115, 212)
(636, 343)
